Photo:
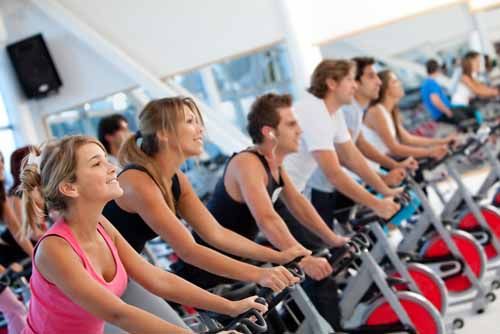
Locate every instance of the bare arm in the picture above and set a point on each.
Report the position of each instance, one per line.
(141, 195)
(57, 263)
(478, 88)
(252, 179)
(375, 120)
(329, 164)
(436, 101)
(372, 153)
(202, 221)
(15, 229)
(352, 158)
(305, 213)
(169, 286)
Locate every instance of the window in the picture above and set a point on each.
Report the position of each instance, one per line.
(239, 81)
(85, 118)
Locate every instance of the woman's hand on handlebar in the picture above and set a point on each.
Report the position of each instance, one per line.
(409, 164)
(438, 152)
(276, 278)
(317, 268)
(241, 306)
(292, 253)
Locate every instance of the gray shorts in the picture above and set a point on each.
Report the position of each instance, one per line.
(139, 297)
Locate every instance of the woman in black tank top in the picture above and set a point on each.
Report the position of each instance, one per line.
(156, 193)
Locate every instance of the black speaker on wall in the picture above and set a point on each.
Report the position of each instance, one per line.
(34, 67)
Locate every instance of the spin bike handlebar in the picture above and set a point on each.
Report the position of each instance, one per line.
(340, 258)
(430, 164)
(250, 322)
(368, 217)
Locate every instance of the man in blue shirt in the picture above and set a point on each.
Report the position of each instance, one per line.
(437, 102)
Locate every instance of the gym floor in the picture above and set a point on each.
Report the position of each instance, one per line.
(487, 322)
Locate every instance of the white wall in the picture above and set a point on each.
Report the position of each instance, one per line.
(334, 19)
(434, 27)
(85, 76)
(170, 36)
(491, 20)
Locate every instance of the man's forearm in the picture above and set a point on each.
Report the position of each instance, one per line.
(305, 213)
(277, 232)
(359, 165)
(347, 186)
(370, 152)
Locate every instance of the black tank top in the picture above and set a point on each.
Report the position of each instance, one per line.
(133, 228)
(236, 216)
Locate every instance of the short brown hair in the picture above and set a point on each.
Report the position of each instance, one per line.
(336, 69)
(264, 112)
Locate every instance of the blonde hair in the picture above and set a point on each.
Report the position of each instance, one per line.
(328, 69)
(44, 170)
(158, 115)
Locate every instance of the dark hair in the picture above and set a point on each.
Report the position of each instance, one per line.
(16, 165)
(361, 64)
(432, 66)
(467, 62)
(264, 112)
(107, 126)
(328, 69)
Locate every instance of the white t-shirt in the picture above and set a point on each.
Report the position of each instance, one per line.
(353, 115)
(320, 131)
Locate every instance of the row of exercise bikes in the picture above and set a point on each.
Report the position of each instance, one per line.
(441, 261)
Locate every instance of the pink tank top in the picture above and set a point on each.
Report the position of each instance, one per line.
(50, 311)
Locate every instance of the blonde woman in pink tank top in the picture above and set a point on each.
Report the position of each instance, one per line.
(81, 264)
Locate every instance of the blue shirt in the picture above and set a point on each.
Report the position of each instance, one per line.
(429, 87)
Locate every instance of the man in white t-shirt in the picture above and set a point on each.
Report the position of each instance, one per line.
(324, 134)
(323, 194)
(326, 142)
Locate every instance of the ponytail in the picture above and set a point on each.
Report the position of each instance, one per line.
(140, 153)
(31, 181)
